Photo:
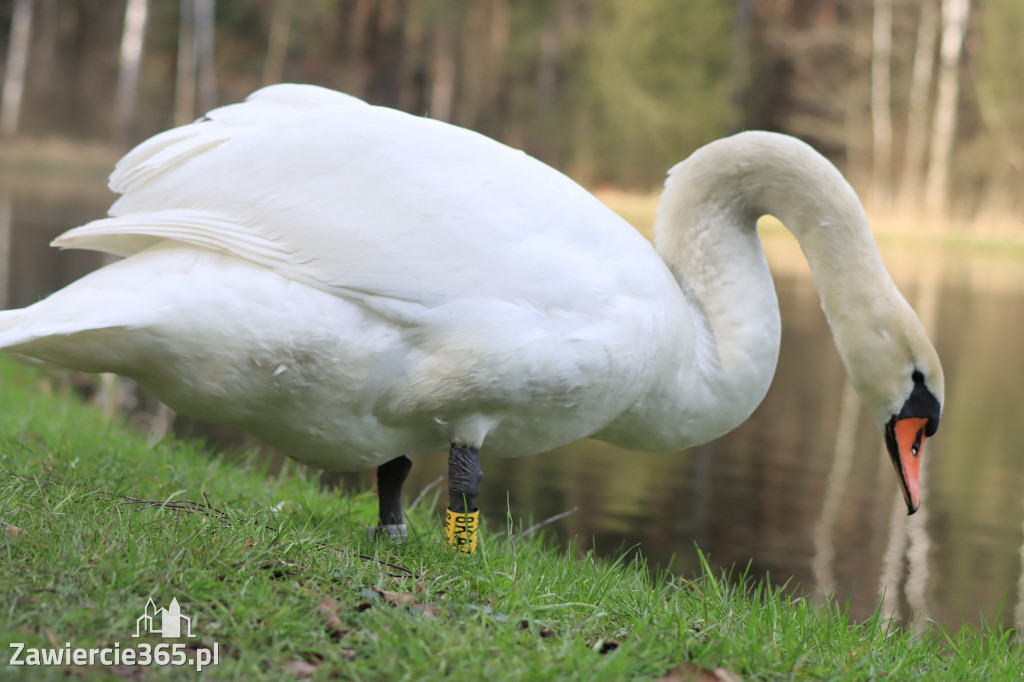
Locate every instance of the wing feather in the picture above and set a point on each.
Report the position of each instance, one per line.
(349, 197)
(125, 235)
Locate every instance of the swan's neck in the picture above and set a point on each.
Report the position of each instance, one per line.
(706, 233)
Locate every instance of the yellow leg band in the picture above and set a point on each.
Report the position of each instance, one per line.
(460, 530)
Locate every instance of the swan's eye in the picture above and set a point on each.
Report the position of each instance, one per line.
(917, 377)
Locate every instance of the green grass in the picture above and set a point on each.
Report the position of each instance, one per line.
(105, 525)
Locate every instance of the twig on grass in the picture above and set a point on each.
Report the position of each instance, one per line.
(206, 508)
(425, 490)
(406, 573)
(545, 522)
(178, 505)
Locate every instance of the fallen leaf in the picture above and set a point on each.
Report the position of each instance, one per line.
(282, 570)
(300, 668)
(429, 610)
(397, 598)
(124, 672)
(689, 672)
(328, 611)
(51, 637)
(13, 531)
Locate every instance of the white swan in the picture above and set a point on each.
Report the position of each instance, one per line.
(349, 283)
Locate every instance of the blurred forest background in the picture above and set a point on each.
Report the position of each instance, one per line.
(910, 97)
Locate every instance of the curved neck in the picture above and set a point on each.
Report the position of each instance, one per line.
(706, 233)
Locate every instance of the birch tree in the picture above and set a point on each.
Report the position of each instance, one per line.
(881, 102)
(185, 83)
(443, 71)
(17, 63)
(6, 228)
(277, 42)
(132, 40)
(205, 22)
(917, 107)
(954, 27)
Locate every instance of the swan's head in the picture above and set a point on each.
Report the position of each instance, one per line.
(897, 374)
(905, 432)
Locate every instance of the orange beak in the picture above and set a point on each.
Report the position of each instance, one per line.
(904, 439)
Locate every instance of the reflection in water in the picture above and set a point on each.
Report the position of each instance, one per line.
(1019, 611)
(824, 529)
(892, 559)
(917, 525)
(802, 491)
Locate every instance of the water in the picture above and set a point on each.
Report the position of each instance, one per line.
(803, 491)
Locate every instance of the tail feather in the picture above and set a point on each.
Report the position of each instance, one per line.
(10, 320)
(16, 338)
(74, 327)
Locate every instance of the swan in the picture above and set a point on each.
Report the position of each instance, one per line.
(350, 283)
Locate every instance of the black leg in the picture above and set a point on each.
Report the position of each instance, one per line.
(464, 478)
(390, 477)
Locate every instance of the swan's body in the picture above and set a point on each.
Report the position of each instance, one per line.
(349, 282)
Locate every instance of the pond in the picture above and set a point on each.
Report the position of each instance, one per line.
(803, 491)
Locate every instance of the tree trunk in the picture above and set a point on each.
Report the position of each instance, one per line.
(740, 69)
(442, 76)
(17, 63)
(6, 229)
(917, 112)
(277, 42)
(45, 73)
(881, 104)
(205, 23)
(547, 65)
(954, 26)
(550, 50)
(483, 44)
(132, 41)
(355, 72)
(385, 53)
(185, 87)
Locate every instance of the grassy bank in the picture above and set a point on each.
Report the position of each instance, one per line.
(281, 578)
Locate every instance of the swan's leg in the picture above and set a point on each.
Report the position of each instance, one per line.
(390, 477)
(462, 518)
